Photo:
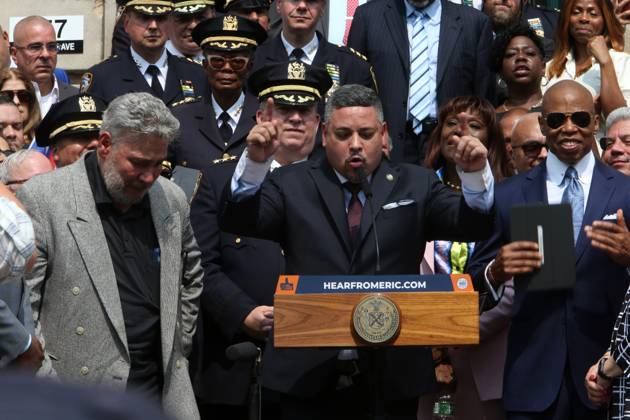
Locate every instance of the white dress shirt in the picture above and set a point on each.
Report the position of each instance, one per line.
(46, 101)
(198, 58)
(234, 112)
(310, 49)
(143, 65)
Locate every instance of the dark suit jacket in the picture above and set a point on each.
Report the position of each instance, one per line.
(240, 274)
(199, 141)
(301, 206)
(551, 330)
(379, 30)
(119, 75)
(353, 69)
(66, 90)
(16, 320)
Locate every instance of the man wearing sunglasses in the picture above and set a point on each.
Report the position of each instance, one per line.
(185, 17)
(146, 66)
(34, 52)
(218, 130)
(529, 147)
(555, 336)
(616, 145)
(256, 10)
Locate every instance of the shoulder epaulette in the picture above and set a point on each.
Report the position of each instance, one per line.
(188, 100)
(353, 51)
(224, 159)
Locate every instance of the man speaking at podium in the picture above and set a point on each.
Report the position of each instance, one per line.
(320, 215)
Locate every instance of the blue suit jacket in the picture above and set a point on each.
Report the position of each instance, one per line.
(552, 329)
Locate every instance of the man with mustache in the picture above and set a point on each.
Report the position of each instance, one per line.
(118, 262)
(147, 66)
(185, 17)
(556, 335)
(319, 214)
(616, 145)
(218, 130)
(34, 52)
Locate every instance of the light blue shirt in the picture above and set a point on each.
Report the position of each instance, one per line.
(477, 187)
(234, 112)
(310, 49)
(431, 23)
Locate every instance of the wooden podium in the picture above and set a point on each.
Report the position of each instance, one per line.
(317, 311)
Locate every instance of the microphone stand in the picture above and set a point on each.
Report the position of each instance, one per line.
(255, 398)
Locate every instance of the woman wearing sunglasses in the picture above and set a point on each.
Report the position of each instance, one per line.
(517, 56)
(461, 116)
(14, 85)
(589, 50)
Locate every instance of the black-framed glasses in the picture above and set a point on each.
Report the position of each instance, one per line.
(606, 142)
(217, 62)
(38, 47)
(557, 119)
(23, 95)
(532, 148)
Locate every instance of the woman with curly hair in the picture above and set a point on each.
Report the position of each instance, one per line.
(589, 50)
(14, 85)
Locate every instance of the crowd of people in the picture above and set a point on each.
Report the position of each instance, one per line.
(146, 214)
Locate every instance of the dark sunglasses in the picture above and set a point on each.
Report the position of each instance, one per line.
(557, 119)
(23, 95)
(217, 62)
(532, 148)
(606, 142)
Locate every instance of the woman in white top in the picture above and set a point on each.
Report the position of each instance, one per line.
(589, 50)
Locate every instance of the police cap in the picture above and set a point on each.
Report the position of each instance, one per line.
(190, 7)
(230, 5)
(150, 7)
(228, 33)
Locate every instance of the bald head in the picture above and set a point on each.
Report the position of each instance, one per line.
(35, 51)
(507, 122)
(528, 143)
(22, 166)
(568, 121)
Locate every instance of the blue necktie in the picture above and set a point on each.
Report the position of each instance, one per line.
(574, 195)
(419, 90)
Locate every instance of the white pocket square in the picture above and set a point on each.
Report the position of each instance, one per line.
(612, 216)
(396, 204)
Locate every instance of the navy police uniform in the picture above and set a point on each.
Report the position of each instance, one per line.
(240, 272)
(543, 22)
(119, 74)
(200, 141)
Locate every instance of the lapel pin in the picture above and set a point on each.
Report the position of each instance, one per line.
(389, 177)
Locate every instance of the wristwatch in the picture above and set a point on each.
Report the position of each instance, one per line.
(600, 369)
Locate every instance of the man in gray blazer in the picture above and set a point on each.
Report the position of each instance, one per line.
(116, 285)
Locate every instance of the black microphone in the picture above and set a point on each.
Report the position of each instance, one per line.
(242, 351)
(367, 190)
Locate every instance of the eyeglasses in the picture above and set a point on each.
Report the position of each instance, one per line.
(532, 148)
(23, 95)
(38, 47)
(606, 142)
(557, 119)
(217, 62)
(16, 181)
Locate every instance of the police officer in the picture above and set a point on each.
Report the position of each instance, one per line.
(71, 128)
(256, 10)
(146, 66)
(218, 130)
(185, 17)
(242, 272)
(299, 40)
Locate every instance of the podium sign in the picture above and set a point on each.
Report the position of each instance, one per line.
(351, 311)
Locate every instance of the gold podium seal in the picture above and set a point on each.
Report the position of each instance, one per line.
(376, 319)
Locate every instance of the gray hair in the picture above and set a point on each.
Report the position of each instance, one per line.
(13, 162)
(353, 95)
(139, 114)
(619, 114)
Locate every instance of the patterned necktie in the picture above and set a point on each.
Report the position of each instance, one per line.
(225, 129)
(419, 90)
(296, 54)
(355, 208)
(574, 195)
(156, 86)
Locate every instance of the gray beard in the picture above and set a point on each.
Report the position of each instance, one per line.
(115, 186)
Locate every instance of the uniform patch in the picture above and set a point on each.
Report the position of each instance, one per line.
(188, 90)
(334, 72)
(537, 26)
(86, 82)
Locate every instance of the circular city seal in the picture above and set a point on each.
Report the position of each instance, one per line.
(376, 319)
